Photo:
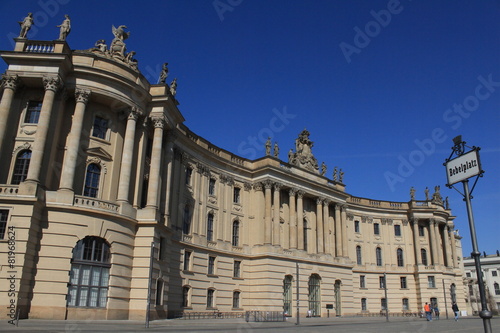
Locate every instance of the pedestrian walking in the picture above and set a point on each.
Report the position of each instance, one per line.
(456, 311)
(428, 311)
(436, 312)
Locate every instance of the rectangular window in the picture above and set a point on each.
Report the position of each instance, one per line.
(100, 128)
(362, 283)
(376, 228)
(236, 195)
(4, 214)
(431, 282)
(161, 248)
(187, 260)
(397, 230)
(381, 281)
(159, 292)
(406, 304)
(33, 112)
(421, 231)
(471, 290)
(236, 300)
(189, 173)
(383, 304)
(467, 274)
(356, 226)
(363, 304)
(211, 265)
(494, 273)
(211, 186)
(237, 269)
(210, 298)
(402, 281)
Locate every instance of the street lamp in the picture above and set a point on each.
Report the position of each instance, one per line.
(459, 169)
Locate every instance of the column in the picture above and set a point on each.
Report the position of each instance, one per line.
(300, 221)
(453, 248)
(10, 84)
(416, 242)
(72, 150)
(154, 171)
(267, 217)
(127, 155)
(432, 241)
(51, 85)
(338, 232)
(326, 229)
(293, 219)
(276, 218)
(447, 249)
(345, 252)
(319, 225)
(437, 240)
(169, 164)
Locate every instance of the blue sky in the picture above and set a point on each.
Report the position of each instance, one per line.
(382, 86)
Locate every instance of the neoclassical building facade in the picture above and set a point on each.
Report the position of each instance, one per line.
(107, 200)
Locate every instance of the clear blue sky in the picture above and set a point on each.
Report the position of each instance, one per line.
(383, 104)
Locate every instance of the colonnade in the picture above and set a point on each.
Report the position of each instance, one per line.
(442, 243)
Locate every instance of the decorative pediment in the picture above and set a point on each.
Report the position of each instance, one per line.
(99, 152)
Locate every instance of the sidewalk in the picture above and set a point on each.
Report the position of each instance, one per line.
(310, 325)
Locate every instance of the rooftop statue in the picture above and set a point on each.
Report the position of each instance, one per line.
(26, 25)
(163, 73)
(117, 47)
(173, 87)
(303, 156)
(65, 28)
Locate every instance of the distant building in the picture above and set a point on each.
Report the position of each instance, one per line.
(490, 266)
(97, 165)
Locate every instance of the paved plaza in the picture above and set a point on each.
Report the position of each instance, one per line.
(310, 325)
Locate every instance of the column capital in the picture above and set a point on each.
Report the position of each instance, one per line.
(268, 184)
(432, 221)
(257, 186)
(277, 186)
(52, 82)
(158, 121)
(292, 192)
(319, 200)
(343, 208)
(82, 95)
(300, 194)
(134, 113)
(10, 81)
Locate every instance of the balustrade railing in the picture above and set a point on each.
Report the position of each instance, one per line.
(93, 203)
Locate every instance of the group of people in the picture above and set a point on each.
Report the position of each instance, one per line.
(431, 311)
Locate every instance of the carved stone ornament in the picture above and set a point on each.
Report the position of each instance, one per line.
(158, 121)
(82, 95)
(303, 157)
(350, 216)
(97, 160)
(247, 186)
(268, 184)
(10, 81)
(24, 146)
(134, 113)
(257, 186)
(52, 83)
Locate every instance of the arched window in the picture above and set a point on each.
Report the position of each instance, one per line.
(400, 258)
(314, 296)
(89, 276)
(92, 180)
(236, 299)
(378, 254)
(210, 227)
(185, 296)
(423, 255)
(236, 233)
(359, 259)
(497, 288)
(21, 167)
(287, 295)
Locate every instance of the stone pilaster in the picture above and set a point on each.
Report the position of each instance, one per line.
(276, 214)
(300, 220)
(293, 219)
(127, 155)
(319, 226)
(154, 174)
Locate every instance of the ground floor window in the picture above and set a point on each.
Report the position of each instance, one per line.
(314, 295)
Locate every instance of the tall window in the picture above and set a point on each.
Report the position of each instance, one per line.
(305, 234)
(237, 269)
(189, 173)
(287, 295)
(356, 226)
(236, 195)
(100, 128)
(159, 292)
(381, 282)
(423, 255)
(4, 215)
(497, 288)
(376, 228)
(21, 167)
(378, 255)
(431, 282)
(383, 304)
(210, 298)
(33, 112)
(421, 230)
(211, 265)
(92, 177)
(210, 227)
(494, 273)
(400, 258)
(406, 304)
(363, 304)
(185, 296)
(397, 230)
(362, 282)
(314, 295)
(187, 260)
(236, 299)
(359, 259)
(89, 276)
(186, 222)
(236, 233)
(211, 186)
(402, 281)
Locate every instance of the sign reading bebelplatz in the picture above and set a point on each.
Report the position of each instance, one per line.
(463, 167)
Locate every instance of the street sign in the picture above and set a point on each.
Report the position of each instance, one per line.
(463, 167)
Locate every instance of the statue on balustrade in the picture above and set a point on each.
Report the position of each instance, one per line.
(26, 25)
(65, 28)
(303, 156)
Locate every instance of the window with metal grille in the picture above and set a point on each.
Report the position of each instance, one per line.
(287, 294)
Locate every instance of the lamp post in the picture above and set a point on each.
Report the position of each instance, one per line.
(460, 169)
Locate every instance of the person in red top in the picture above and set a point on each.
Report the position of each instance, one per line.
(428, 313)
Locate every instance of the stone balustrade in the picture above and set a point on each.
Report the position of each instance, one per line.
(86, 202)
